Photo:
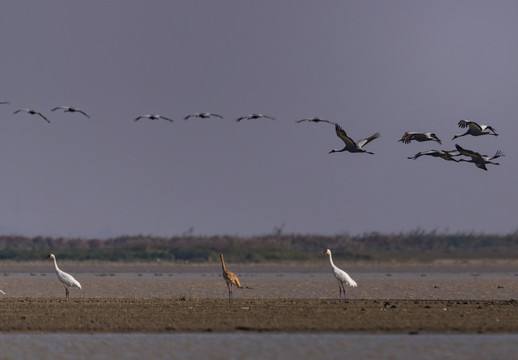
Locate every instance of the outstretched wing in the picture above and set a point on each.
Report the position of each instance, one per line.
(316, 120)
(365, 141)
(464, 123)
(470, 153)
(343, 135)
(428, 152)
(498, 154)
(406, 138)
(474, 126)
(165, 118)
(40, 114)
(82, 112)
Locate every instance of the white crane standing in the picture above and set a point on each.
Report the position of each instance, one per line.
(66, 279)
(340, 275)
(230, 278)
(350, 145)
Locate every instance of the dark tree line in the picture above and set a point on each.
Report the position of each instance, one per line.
(415, 245)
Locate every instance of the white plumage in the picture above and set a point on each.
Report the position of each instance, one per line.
(66, 279)
(340, 275)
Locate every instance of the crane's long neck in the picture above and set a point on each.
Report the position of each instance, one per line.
(331, 259)
(55, 264)
(338, 150)
(223, 264)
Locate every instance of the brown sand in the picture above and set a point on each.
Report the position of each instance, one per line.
(175, 315)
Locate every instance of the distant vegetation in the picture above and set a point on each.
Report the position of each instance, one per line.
(412, 246)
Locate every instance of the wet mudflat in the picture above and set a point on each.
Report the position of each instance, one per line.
(179, 315)
(144, 298)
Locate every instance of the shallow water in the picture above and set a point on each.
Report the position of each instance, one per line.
(267, 282)
(256, 346)
(295, 283)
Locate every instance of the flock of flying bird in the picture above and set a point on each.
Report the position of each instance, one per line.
(471, 156)
(350, 145)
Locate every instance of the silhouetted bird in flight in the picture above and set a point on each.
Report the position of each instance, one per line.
(350, 145)
(71, 109)
(33, 112)
(153, 117)
(479, 160)
(443, 154)
(475, 129)
(203, 115)
(254, 116)
(315, 120)
(418, 136)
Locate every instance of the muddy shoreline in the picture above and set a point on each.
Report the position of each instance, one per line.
(181, 315)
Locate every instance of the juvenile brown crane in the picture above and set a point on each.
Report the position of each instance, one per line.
(230, 278)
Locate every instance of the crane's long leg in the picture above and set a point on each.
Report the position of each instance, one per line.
(229, 291)
(66, 292)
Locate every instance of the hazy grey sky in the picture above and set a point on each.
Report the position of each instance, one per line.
(372, 66)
